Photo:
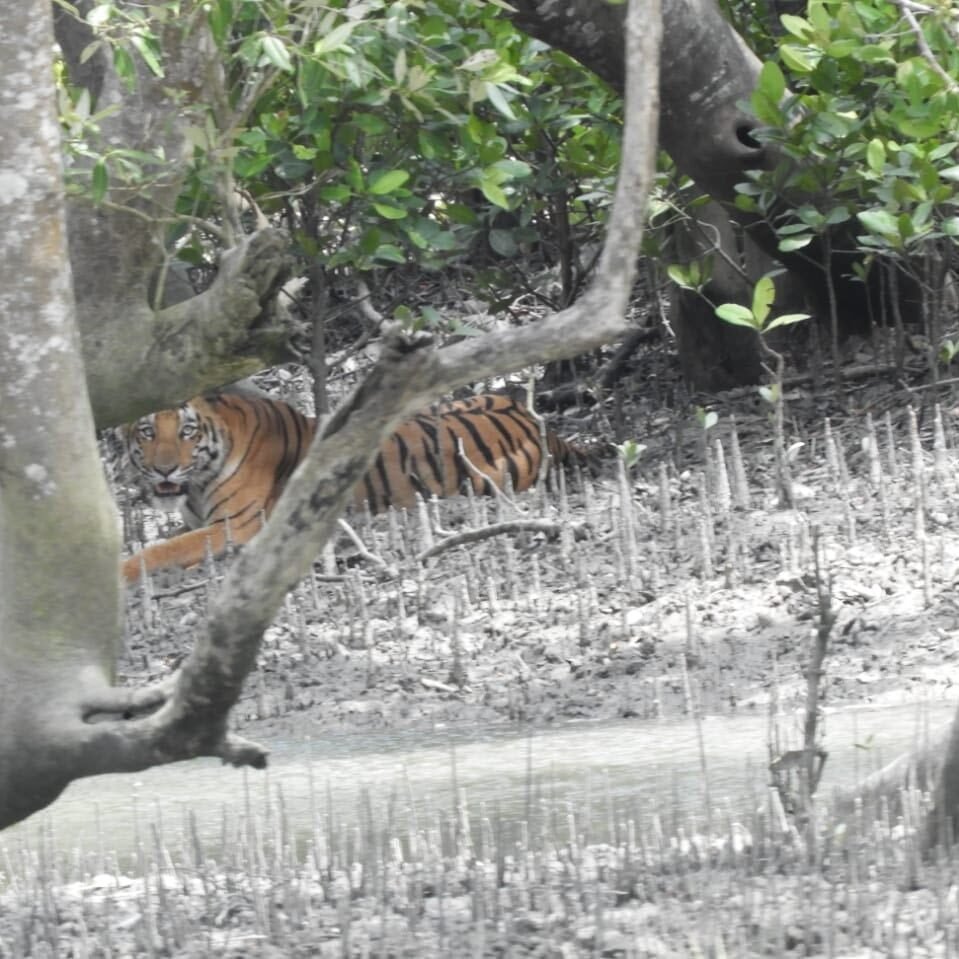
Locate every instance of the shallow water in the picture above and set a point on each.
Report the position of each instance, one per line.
(404, 780)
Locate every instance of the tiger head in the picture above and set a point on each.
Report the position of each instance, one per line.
(174, 450)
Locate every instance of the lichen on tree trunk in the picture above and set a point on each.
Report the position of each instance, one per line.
(59, 543)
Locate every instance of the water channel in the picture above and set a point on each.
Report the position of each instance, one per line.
(648, 768)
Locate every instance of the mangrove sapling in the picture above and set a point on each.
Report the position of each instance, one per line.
(629, 453)
(722, 492)
(665, 503)
(941, 467)
(809, 761)
(877, 477)
(758, 318)
(918, 475)
(840, 479)
(706, 419)
(740, 484)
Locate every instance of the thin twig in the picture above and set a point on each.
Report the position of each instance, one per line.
(364, 552)
(906, 9)
(498, 529)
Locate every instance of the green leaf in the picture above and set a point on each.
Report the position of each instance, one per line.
(389, 212)
(334, 193)
(146, 48)
(819, 18)
(943, 150)
(100, 14)
(801, 29)
(514, 169)
(950, 226)
(876, 155)
(771, 82)
(707, 418)
(335, 39)
(630, 452)
(123, 64)
(798, 59)
(768, 94)
(88, 51)
(494, 194)
(843, 48)
(461, 214)
(793, 243)
(770, 393)
(879, 221)
(370, 123)
(100, 181)
(480, 61)
(399, 67)
(837, 215)
(496, 97)
(274, 49)
(785, 320)
(432, 318)
(459, 328)
(764, 294)
(680, 276)
(390, 253)
(876, 53)
(354, 175)
(388, 181)
(737, 315)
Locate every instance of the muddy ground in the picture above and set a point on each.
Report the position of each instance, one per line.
(656, 591)
(684, 583)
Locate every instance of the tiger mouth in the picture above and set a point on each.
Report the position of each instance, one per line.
(168, 489)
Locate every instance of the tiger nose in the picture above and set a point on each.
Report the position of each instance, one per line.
(165, 471)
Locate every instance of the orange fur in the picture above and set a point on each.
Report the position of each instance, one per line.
(224, 460)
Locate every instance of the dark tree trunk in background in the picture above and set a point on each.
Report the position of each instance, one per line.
(706, 72)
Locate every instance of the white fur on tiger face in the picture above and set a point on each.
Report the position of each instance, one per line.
(177, 453)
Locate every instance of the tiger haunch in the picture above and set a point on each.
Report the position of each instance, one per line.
(224, 459)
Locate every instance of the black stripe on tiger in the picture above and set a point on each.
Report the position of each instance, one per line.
(530, 431)
(431, 451)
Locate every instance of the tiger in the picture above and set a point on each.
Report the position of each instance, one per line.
(223, 459)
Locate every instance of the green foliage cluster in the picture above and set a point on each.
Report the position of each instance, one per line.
(870, 120)
(381, 132)
(757, 317)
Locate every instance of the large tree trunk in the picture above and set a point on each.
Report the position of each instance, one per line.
(59, 544)
(706, 72)
(140, 356)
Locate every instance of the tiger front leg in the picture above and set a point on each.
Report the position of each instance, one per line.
(186, 550)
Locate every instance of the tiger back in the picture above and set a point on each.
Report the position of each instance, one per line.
(477, 442)
(224, 459)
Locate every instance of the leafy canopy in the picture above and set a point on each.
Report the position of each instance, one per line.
(381, 132)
